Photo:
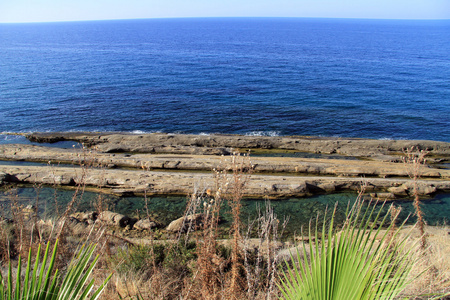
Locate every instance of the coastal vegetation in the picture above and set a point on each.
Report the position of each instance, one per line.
(252, 260)
(43, 282)
(351, 262)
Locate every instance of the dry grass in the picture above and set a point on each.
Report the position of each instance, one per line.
(262, 257)
(431, 274)
(413, 160)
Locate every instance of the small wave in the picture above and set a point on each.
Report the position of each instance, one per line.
(145, 131)
(9, 138)
(138, 132)
(263, 133)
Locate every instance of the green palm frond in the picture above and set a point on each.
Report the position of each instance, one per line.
(356, 262)
(41, 282)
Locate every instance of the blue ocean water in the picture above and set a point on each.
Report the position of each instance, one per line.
(275, 76)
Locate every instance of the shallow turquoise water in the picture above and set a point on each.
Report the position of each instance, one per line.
(165, 209)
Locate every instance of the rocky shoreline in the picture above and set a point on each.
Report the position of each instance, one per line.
(131, 164)
(223, 144)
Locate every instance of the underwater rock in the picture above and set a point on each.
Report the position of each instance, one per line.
(184, 223)
(146, 224)
(114, 219)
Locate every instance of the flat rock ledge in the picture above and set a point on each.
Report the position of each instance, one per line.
(223, 144)
(136, 182)
(175, 164)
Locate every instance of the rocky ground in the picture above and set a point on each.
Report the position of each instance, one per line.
(130, 164)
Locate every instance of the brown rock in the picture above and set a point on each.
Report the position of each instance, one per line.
(399, 190)
(86, 216)
(423, 188)
(182, 224)
(383, 196)
(337, 167)
(145, 224)
(28, 211)
(327, 187)
(111, 218)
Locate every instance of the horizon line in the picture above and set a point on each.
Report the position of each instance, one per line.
(227, 17)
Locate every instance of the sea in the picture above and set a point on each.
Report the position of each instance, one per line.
(381, 79)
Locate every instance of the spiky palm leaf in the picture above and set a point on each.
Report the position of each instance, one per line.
(356, 262)
(46, 285)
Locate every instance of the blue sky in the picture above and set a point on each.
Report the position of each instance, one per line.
(73, 10)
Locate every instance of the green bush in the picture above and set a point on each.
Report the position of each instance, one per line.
(140, 258)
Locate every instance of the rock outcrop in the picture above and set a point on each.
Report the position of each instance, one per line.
(115, 219)
(136, 182)
(316, 166)
(129, 164)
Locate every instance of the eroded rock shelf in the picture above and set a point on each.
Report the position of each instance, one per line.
(127, 164)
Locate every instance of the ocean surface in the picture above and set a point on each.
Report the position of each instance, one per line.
(380, 79)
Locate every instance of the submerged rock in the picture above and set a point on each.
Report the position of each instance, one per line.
(146, 224)
(88, 217)
(114, 219)
(182, 224)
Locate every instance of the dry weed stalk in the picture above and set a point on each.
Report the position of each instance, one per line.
(38, 228)
(207, 281)
(394, 212)
(268, 230)
(4, 239)
(22, 229)
(209, 264)
(22, 224)
(101, 203)
(414, 159)
(152, 245)
(241, 169)
(55, 186)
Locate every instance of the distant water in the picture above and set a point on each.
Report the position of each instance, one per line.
(329, 77)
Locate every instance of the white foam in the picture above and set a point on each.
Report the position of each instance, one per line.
(138, 132)
(263, 133)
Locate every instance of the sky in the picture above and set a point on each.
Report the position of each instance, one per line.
(17, 11)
